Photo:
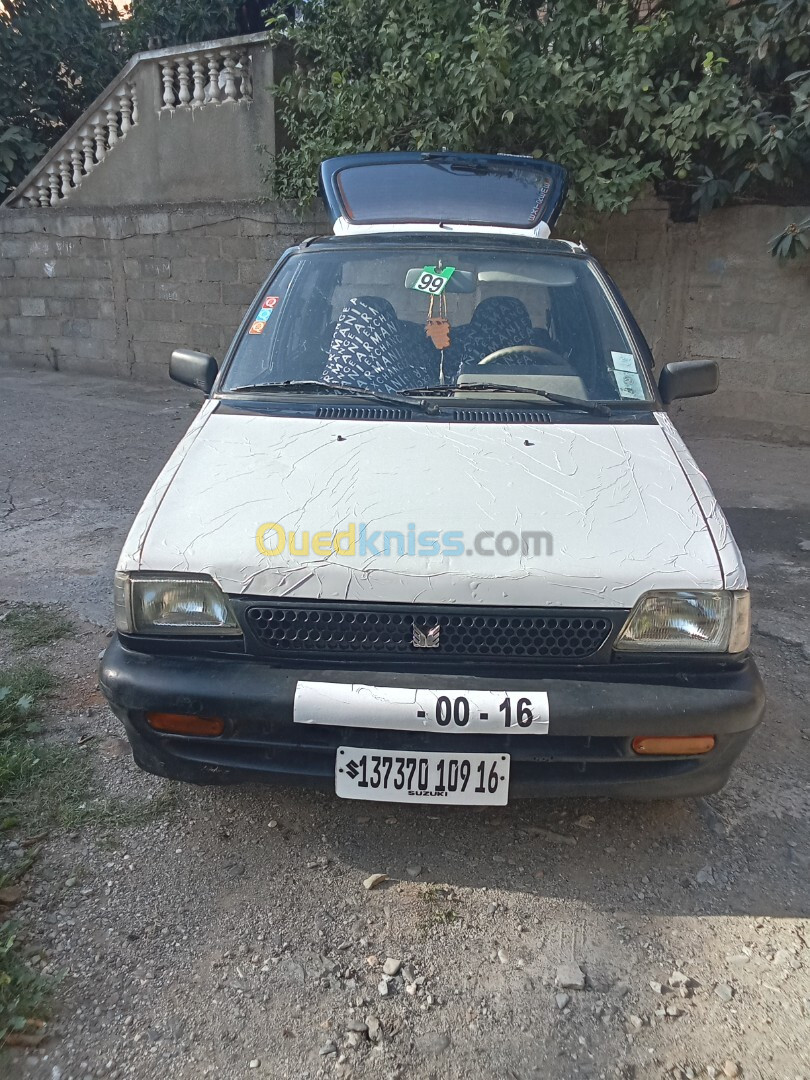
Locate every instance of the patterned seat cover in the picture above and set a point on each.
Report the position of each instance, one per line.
(497, 322)
(369, 349)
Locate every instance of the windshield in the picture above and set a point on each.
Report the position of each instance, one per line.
(440, 315)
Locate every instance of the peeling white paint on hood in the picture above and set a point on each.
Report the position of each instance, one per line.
(731, 561)
(133, 545)
(622, 514)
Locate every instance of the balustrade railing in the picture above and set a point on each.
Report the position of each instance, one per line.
(206, 78)
(84, 151)
(186, 78)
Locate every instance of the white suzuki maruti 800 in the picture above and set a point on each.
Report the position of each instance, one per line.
(432, 536)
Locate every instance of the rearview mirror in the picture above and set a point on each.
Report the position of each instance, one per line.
(195, 369)
(462, 281)
(688, 378)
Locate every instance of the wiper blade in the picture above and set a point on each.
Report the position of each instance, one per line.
(598, 408)
(316, 385)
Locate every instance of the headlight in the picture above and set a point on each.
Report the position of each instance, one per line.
(181, 604)
(688, 622)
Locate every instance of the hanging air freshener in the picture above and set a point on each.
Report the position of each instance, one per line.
(437, 327)
(438, 330)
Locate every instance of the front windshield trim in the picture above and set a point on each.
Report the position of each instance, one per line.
(632, 332)
(505, 401)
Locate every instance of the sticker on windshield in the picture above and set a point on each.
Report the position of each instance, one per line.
(629, 384)
(257, 327)
(433, 281)
(623, 361)
(270, 302)
(263, 314)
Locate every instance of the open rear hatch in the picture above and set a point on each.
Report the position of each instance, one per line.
(498, 192)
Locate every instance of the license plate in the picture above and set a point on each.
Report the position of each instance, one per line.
(401, 776)
(358, 705)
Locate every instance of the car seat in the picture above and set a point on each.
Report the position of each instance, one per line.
(369, 349)
(496, 323)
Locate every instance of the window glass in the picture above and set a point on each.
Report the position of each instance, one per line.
(438, 191)
(395, 319)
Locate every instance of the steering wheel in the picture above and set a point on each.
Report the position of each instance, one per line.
(520, 348)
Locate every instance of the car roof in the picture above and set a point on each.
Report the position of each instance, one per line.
(478, 240)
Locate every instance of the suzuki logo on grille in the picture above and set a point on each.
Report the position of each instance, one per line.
(426, 637)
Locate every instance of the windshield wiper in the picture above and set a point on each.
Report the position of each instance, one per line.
(305, 385)
(596, 407)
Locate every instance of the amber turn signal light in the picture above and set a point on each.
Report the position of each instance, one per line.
(179, 724)
(673, 744)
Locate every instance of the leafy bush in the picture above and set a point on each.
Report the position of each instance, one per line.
(792, 241)
(704, 99)
(55, 57)
(157, 23)
(19, 151)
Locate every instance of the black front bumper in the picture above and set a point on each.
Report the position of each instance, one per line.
(593, 720)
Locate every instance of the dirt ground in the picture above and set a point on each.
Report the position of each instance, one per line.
(228, 933)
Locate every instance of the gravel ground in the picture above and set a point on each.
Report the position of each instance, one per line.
(229, 934)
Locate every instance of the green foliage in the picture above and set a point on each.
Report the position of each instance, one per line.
(19, 151)
(42, 783)
(792, 241)
(21, 689)
(771, 42)
(22, 990)
(45, 783)
(158, 23)
(693, 95)
(55, 57)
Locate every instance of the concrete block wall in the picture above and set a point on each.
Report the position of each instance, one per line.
(115, 292)
(712, 290)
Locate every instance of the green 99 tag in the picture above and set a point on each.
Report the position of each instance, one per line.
(433, 281)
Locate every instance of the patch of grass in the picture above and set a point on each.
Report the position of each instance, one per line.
(81, 808)
(22, 688)
(53, 788)
(43, 784)
(52, 781)
(35, 624)
(22, 990)
(49, 784)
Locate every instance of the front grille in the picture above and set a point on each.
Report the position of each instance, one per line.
(372, 632)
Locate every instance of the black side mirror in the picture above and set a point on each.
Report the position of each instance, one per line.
(195, 369)
(688, 378)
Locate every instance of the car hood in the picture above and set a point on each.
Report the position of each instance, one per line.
(619, 515)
